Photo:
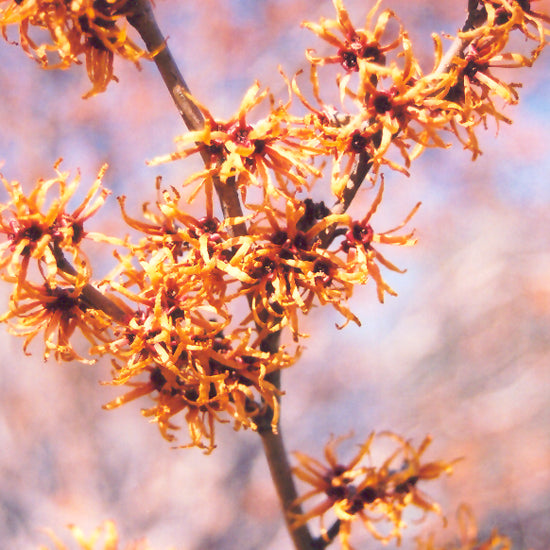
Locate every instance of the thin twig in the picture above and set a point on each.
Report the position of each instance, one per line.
(457, 47)
(358, 174)
(326, 540)
(360, 169)
(92, 296)
(144, 22)
(281, 473)
(459, 44)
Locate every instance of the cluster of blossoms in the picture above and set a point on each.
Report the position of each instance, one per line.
(93, 29)
(39, 232)
(185, 278)
(105, 537)
(374, 496)
(180, 334)
(394, 102)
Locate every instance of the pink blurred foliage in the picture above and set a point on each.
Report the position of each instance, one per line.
(462, 353)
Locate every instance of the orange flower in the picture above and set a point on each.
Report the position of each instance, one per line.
(40, 231)
(248, 152)
(107, 531)
(399, 104)
(469, 539)
(57, 311)
(362, 258)
(205, 241)
(36, 230)
(356, 45)
(81, 27)
(370, 495)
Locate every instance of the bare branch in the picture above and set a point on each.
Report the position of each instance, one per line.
(279, 466)
(143, 20)
(92, 296)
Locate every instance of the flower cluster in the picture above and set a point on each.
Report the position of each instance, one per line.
(474, 85)
(181, 345)
(282, 264)
(48, 296)
(35, 229)
(289, 258)
(248, 153)
(292, 270)
(468, 537)
(374, 496)
(105, 535)
(184, 341)
(396, 103)
(184, 337)
(94, 29)
(192, 362)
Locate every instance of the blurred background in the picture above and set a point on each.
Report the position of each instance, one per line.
(462, 353)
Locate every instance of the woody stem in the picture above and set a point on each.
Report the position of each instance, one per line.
(89, 293)
(143, 20)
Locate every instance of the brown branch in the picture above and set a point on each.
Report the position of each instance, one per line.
(360, 169)
(459, 45)
(93, 297)
(281, 473)
(326, 540)
(358, 174)
(143, 20)
(277, 456)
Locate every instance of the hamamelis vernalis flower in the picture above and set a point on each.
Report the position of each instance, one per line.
(173, 228)
(374, 496)
(355, 44)
(248, 152)
(469, 538)
(104, 537)
(94, 29)
(38, 224)
(212, 385)
(57, 311)
(362, 258)
(174, 347)
(473, 85)
(476, 86)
